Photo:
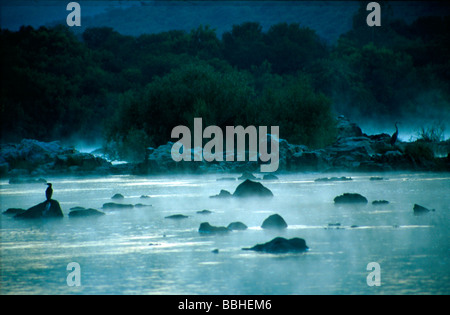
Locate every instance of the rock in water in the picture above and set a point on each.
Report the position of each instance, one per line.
(419, 210)
(113, 205)
(350, 198)
(280, 245)
(46, 209)
(85, 213)
(14, 211)
(275, 221)
(177, 216)
(237, 226)
(206, 228)
(118, 196)
(204, 211)
(223, 194)
(333, 179)
(16, 180)
(380, 202)
(270, 177)
(252, 189)
(247, 175)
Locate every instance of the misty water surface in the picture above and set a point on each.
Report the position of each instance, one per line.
(139, 251)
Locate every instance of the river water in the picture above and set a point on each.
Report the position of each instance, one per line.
(139, 251)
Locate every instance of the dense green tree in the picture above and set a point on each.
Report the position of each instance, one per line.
(292, 48)
(244, 46)
(134, 90)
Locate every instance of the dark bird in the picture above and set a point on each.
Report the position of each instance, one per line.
(49, 192)
(395, 135)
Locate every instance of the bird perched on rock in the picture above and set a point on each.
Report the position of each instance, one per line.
(49, 192)
(395, 135)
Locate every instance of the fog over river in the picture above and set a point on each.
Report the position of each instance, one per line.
(140, 251)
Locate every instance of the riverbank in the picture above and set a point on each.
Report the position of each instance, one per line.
(353, 151)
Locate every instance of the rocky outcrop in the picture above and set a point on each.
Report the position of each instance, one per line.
(280, 245)
(47, 209)
(351, 151)
(346, 128)
(32, 157)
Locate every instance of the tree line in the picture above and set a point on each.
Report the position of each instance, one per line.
(131, 91)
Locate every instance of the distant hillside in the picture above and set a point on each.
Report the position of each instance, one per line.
(329, 19)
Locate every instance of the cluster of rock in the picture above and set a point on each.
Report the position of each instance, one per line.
(246, 189)
(279, 245)
(352, 151)
(32, 157)
(47, 209)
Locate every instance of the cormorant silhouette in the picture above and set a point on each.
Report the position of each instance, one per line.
(49, 192)
(395, 135)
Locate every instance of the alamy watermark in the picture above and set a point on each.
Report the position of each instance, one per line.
(374, 277)
(213, 150)
(74, 277)
(74, 17)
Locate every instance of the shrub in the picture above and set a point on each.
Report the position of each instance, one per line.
(420, 151)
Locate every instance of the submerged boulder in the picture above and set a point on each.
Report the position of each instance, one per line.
(177, 216)
(333, 179)
(113, 205)
(247, 175)
(142, 205)
(349, 198)
(14, 211)
(85, 213)
(249, 188)
(27, 180)
(270, 177)
(47, 209)
(274, 221)
(280, 245)
(380, 202)
(206, 228)
(204, 211)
